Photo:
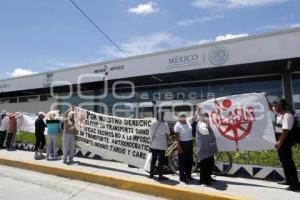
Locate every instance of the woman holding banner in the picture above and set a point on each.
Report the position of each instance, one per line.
(69, 135)
(159, 131)
(53, 124)
(206, 148)
(285, 124)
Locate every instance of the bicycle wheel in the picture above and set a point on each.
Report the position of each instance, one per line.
(223, 163)
(174, 162)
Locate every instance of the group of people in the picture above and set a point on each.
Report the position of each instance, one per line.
(8, 130)
(185, 130)
(55, 126)
(199, 127)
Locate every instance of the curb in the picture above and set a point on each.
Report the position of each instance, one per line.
(258, 172)
(161, 190)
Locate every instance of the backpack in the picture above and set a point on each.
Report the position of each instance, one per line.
(194, 128)
(295, 132)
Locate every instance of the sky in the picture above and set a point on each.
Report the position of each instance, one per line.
(45, 35)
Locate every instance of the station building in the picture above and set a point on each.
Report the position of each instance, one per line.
(267, 63)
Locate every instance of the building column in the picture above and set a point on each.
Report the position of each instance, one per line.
(96, 101)
(287, 84)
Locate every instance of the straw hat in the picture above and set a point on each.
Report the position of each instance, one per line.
(54, 114)
(11, 114)
(71, 116)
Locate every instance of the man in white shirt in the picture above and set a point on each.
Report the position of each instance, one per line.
(3, 127)
(285, 121)
(159, 131)
(184, 137)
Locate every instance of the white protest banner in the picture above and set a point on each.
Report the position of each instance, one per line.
(121, 139)
(26, 122)
(241, 122)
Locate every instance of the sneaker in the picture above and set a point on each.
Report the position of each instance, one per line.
(42, 155)
(191, 179)
(284, 182)
(65, 161)
(36, 157)
(183, 180)
(294, 188)
(163, 178)
(204, 182)
(212, 180)
(56, 157)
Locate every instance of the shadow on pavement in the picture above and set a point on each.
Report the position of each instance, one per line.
(110, 169)
(222, 185)
(167, 182)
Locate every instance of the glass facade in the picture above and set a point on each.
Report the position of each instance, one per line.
(296, 92)
(142, 101)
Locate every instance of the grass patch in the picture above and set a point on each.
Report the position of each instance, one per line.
(267, 158)
(29, 138)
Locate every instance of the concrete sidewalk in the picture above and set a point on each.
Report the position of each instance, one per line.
(120, 176)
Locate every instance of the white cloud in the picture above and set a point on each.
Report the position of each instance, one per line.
(156, 42)
(295, 25)
(278, 26)
(222, 37)
(145, 44)
(20, 72)
(204, 41)
(234, 3)
(230, 36)
(271, 27)
(144, 9)
(198, 20)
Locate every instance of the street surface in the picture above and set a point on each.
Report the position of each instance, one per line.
(17, 184)
(253, 188)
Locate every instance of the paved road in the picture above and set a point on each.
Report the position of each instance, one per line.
(16, 184)
(257, 189)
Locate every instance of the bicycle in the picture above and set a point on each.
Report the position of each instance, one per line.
(223, 161)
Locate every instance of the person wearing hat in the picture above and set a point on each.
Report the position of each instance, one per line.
(3, 127)
(184, 137)
(40, 140)
(53, 124)
(284, 125)
(69, 136)
(11, 130)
